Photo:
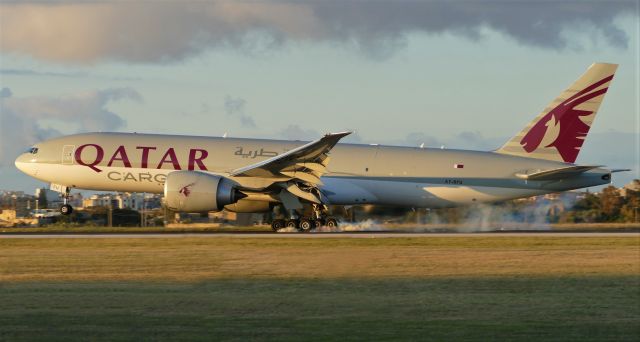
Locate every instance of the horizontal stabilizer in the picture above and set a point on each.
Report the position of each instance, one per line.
(555, 174)
(620, 170)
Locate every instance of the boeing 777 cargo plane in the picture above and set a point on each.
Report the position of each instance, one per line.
(200, 174)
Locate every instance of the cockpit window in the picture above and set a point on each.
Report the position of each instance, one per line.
(33, 150)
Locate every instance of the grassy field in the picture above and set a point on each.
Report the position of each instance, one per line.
(443, 288)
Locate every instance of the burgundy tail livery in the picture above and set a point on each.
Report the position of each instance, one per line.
(560, 130)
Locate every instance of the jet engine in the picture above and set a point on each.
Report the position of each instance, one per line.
(193, 191)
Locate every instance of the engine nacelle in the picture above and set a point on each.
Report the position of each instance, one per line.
(194, 192)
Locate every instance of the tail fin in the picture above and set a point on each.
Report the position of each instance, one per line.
(559, 131)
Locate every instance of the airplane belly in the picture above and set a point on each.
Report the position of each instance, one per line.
(465, 195)
(347, 191)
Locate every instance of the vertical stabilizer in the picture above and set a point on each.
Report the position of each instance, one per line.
(560, 130)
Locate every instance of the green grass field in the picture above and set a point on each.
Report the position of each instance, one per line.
(442, 288)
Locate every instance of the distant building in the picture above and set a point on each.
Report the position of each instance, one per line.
(101, 200)
(16, 200)
(76, 200)
(53, 199)
(135, 201)
(7, 195)
(14, 194)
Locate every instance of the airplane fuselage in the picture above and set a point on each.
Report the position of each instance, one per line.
(356, 174)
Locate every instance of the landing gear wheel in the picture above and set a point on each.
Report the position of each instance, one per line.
(331, 223)
(306, 225)
(319, 223)
(277, 225)
(66, 209)
(292, 224)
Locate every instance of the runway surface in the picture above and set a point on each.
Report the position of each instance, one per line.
(357, 235)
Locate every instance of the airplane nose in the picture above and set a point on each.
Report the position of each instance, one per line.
(24, 164)
(20, 162)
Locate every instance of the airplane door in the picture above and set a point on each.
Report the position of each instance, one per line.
(67, 154)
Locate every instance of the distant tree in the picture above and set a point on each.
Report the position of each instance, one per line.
(125, 218)
(630, 211)
(568, 217)
(611, 202)
(589, 202)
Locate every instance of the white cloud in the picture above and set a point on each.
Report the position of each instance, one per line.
(22, 119)
(89, 32)
(295, 132)
(5, 92)
(235, 107)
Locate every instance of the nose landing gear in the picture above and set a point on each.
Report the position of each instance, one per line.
(66, 208)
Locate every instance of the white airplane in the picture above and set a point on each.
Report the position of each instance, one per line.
(200, 174)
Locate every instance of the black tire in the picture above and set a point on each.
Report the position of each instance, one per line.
(66, 209)
(277, 225)
(319, 223)
(331, 223)
(306, 225)
(292, 224)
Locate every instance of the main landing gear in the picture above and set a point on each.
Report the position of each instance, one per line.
(66, 208)
(306, 224)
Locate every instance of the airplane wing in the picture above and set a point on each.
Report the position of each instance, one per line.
(298, 170)
(559, 173)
